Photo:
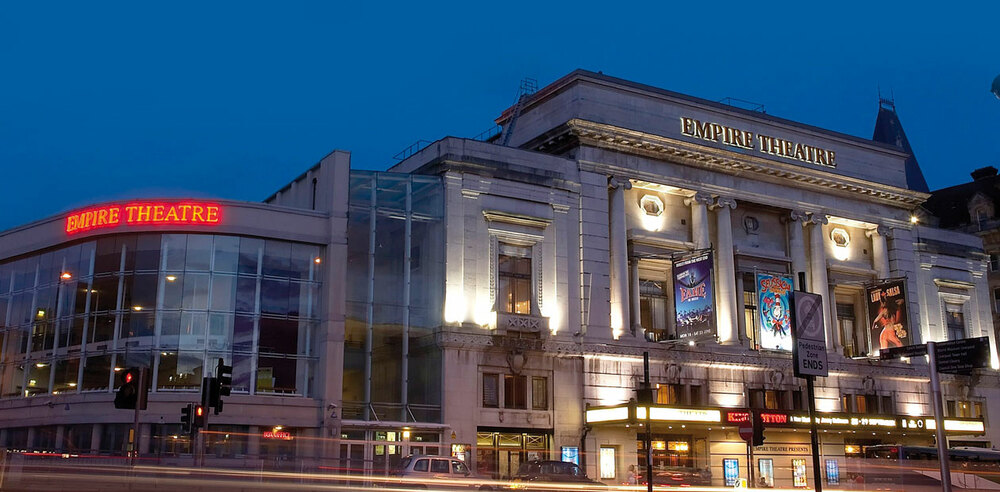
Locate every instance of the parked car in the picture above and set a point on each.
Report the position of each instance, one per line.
(534, 475)
(438, 472)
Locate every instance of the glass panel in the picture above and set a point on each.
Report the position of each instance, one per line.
(227, 253)
(249, 255)
(539, 394)
(275, 375)
(199, 253)
(279, 336)
(246, 294)
(277, 258)
(66, 375)
(96, 373)
(38, 378)
(179, 371)
(490, 391)
(147, 252)
(223, 293)
(195, 291)
(274, 297)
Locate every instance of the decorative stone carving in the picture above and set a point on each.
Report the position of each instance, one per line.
(615, 182)
(868, 383)
(700, 198)
(724, 202)
(673, 373)
(775, 379)
(516, 359)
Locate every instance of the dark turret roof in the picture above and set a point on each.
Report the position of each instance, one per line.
(951, 205)
(889, 130)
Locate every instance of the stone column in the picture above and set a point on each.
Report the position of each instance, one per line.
(880, 250)
(95, 438)
(725, 267)
(819, 282)
(699, 219)
(617, 236)
(636, 318)
(796, 244)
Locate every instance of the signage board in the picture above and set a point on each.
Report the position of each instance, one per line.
(832, 472)
(809, 340)
(773, 313)
(904, 351)
(887, 318)
(962, 356)
(694, 299)
(746, 431)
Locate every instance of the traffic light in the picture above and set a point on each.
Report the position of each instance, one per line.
(224, 378)
(199, 417)
(758, 431)
(186, 420)
(133, 389)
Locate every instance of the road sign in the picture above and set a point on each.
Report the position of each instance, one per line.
(904, 351)
(746, 430)
(962, 356)
(809, 346)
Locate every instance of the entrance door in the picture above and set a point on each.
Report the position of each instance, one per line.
(510, 461)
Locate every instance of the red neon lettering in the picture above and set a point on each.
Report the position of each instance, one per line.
(738, 417)
(774, 418)
(139, 213)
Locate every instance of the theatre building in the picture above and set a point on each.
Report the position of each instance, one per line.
(493, 300)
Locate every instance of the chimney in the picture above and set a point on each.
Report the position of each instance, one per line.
(984, 172)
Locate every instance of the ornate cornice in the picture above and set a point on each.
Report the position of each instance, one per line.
(700, 198)
(659, 147)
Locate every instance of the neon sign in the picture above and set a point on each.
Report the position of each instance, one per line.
(774, 418)
(737, 417)
(287, 436)
(144, 213)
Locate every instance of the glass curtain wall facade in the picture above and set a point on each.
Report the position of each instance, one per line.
(70, 318)
(395, 298)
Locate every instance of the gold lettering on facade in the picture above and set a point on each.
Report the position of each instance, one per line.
(735, 137)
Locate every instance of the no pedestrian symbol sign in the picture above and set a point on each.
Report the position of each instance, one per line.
(809, 346)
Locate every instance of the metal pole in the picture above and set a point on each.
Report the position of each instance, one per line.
(813, 433)
(649, 435)
(750, 470)
(942, 445)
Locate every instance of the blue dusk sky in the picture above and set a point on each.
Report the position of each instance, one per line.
(102, 101)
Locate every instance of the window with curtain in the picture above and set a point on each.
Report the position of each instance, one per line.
(514, 279)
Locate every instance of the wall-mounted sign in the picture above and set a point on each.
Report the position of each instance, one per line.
(799, 473)
(694, 300)
(144, 213)
(887, 315)
(832, 472)
(773, 311)
(766, 144)
(808, 340)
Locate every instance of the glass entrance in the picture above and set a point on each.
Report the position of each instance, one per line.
(500, 454)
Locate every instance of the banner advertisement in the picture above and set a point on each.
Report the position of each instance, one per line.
(694, 300)
(773, 311)
(887, 318)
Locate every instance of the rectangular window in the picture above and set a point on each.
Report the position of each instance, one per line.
(515, 391)
(860, 404)
(955, 319)
(669, 394)
(653, 309)
(491, 396)
(887, 408)
(797, 400)
(774, 399)
(514, 272)
(750, 308)
(845, 403)
(608, 468)
(756, 397)
(539, 393)
(994, 262)
(695, 395)
(950, 408)
(996, 300)
(852, 335)
(977, 409)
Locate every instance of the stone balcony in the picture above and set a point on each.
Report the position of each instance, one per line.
(512, 324)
